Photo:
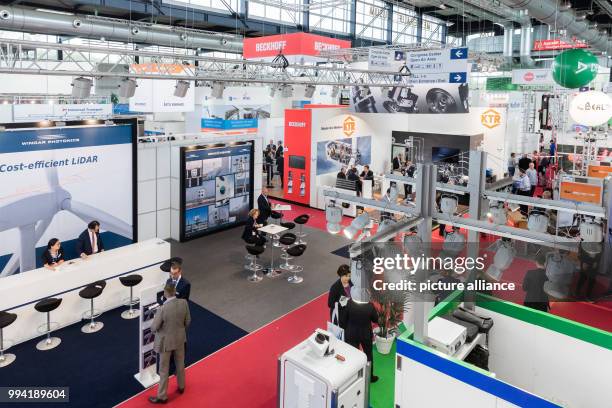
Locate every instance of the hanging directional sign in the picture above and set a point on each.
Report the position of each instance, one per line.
(438, 66)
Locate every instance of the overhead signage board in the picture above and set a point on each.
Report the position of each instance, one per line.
(38, 112)
(294, 44)
(532, 77)
(438, 66)
(384, 59)
(557, 44)
(591, 108)
(157, 95)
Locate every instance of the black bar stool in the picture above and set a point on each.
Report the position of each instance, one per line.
(286, 240)
(6, 319)
(91, 292)
(130, 281)
(295, 251)
(301, 220)
(47, 306)
(288, 225)
(254, 251)
(277, 216)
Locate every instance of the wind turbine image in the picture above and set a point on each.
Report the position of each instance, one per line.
(33, 214)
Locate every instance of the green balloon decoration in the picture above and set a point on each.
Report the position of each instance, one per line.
(574, 68)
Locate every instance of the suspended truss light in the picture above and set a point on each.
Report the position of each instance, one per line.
(309, 91)
(502, 260)
(385, 225)
(272, 91)
(359, 291)
(497, 213)
(448, 204)
(287, 91)
(454, 243)
(333, 216)
(393, 193)
(217, 90)
(591, 231)
(335, 91)
(181, 88)
(81, 87)
(358, 224)
(127, 88)
(537, 222)
(560, 273)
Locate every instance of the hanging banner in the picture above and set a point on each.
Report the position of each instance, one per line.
(447, 66)
(240, 108)
(580, 192)
(157, 95)
(532, 77)
(445, 98)
(44, 111)
(304, 45)
(557, 44)
(591, 108)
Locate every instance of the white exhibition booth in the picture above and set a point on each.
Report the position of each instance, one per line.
(20, 292)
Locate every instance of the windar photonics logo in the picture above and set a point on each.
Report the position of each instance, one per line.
(348, 126)
(490, 118)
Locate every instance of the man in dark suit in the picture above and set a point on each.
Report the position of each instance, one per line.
(169, 325)
(89, 241)
(264, 206)
(176, 279)
(396, 163)
(280, 167)
(367, 174)
(352, 176)
(341, 174)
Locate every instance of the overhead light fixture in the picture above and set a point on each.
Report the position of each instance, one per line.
(393, 193)
(127, 88)
(454, 243)
(385, 225)
(537, 222)
(333, 216)
(287, 91)
(335, 91)
(272, 91)
(448, 204)
(502, 260)
(591, 231)
(560, 274)
(309, 91)
(81, 87)
(357, 224)
(497, 213)
(217, 90)
(181, 88)
(442, 6)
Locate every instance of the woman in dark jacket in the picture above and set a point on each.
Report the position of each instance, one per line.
(340, 288)
(53, 255)
(250, 234)
(358, 332)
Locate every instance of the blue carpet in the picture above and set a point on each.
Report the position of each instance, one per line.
(99, 368)
(343, 251)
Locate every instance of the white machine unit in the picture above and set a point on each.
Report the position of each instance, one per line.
(445, 336)
(310, 377)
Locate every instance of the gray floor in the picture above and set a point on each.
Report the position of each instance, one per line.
(215, 266)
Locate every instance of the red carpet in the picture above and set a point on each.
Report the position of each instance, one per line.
(243, 374)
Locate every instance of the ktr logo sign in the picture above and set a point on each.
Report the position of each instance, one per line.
(348, 127)
(490, 118)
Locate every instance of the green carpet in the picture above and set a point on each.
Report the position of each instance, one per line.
(382, 392)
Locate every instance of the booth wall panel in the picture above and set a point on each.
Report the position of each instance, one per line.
(163, 223)
(175, 224)
(146, 196)
(560, 368)
(147, 226)
(163, 194)
(163, 160)
(146, 163)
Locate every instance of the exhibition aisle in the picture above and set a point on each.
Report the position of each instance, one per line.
(243, 374)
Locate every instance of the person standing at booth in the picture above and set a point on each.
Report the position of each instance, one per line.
(280, 166)
(170, 328)
(264, 206)
(340, 293)
(89, 241)
(176, 279)
(53, 255)
(358, 332)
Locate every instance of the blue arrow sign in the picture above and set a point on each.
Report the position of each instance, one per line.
(458, 53)
(457, 77)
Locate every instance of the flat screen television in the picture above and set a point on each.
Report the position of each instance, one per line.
(297, 162)
(217, 187)
(445, 155)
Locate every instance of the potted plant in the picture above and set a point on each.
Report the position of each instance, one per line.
(390, 313)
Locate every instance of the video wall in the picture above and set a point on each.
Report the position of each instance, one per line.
(217, 187)
(55, 180)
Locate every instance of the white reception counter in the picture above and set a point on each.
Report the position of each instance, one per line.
(19, 293)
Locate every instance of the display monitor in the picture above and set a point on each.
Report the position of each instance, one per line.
(445, 155)
(217, 187)
(297, 162)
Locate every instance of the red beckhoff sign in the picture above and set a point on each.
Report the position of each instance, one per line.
(552, 45)
(290, 44)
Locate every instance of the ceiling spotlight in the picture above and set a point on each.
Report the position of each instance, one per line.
(127, 88)
(287, 91)
(333, 216)
(448, 204)
(309, 91)
(335, 91)
(502, 260)
(81, 87)
(497, 213)
(591, 231)
(537, 222)
(272, 91)
(560, 273)
(357, 224)
(181, 88)
(217, 90)
(453, 243)
(565, 6)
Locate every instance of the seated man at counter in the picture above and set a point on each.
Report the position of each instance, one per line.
(89, 241)
(341, 174)
(366, 174)
(53, 255)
